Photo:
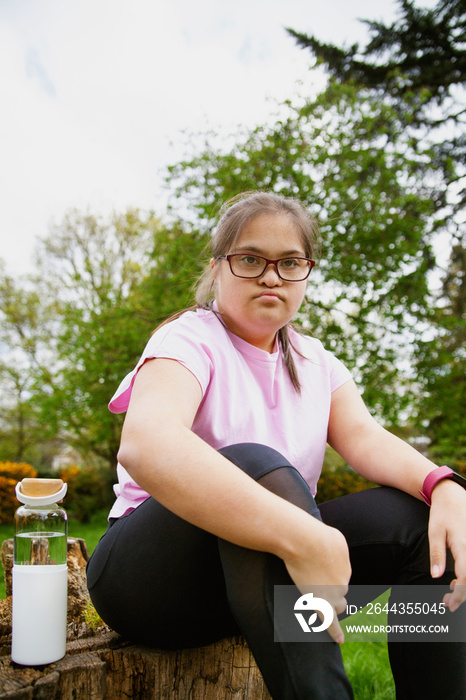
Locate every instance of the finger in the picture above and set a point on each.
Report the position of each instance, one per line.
(437, 546)
(456, 598)
(452, 601)
(341, 607)
(335, 630)
(337, 598)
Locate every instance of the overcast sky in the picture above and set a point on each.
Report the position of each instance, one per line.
(95, 93)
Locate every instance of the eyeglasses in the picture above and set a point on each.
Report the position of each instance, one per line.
(251, 266)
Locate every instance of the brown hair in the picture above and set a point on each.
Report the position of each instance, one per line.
(234, 214)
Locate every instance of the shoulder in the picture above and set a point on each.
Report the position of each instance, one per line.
(308, 346)
(311, 352)
(188, 339)
(195, 338)
(191, 324)
(192, 338)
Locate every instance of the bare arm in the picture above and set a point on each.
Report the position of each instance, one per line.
(370, 449)
(385, 459)
(190, 478)
(180, 470)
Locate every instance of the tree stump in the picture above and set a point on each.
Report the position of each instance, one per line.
(78, 595)
(100, 664)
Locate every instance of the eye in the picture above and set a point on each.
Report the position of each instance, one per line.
(249, 260)
(290, 263)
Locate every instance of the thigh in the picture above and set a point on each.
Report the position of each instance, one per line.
(158, 579)
(386, 531)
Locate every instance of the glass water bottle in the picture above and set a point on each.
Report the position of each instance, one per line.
(40, 573)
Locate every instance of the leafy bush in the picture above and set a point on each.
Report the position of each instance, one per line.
(337, 479)
(459, 466)
(10, 474)
(333, 484)
(88, 492)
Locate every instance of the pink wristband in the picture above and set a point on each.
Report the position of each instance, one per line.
(432, 480)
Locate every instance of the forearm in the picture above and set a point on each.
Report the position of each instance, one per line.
(384, 459)
(370, 449)
(201, 486)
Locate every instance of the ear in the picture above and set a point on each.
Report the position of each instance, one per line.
(214, 267)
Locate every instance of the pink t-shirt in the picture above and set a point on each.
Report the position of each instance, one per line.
(247, 394)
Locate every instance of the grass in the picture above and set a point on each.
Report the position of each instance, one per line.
(366, 663)
(91, 532)
(368, 668)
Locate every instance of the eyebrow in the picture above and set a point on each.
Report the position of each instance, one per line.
(259, 251)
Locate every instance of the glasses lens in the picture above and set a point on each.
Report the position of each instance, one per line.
(247, 265)
(289, 269)
(293, 269)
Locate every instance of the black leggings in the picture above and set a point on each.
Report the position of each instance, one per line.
(158, 580)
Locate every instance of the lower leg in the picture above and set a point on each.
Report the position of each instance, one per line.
(386, 531)
(291, 670)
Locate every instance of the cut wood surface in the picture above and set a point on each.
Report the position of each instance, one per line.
(101, 664)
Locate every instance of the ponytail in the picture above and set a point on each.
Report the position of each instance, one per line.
(287, 348)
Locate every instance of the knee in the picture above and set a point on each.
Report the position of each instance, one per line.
(254, 459)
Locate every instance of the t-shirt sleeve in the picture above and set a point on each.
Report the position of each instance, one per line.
(339, 373)
(312, 349)
(175, 341)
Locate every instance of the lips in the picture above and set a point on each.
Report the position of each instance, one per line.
(270, 295)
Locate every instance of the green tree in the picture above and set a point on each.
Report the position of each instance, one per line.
(345, 155)
(419, 57)
(24, 349)
(178, 259)
(114, 281)
(92, 268)
(417, 66)
(72, 332)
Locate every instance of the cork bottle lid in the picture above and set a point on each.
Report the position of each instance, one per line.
(41, 487)
(40, 491)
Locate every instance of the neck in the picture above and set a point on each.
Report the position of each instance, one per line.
(265, 342)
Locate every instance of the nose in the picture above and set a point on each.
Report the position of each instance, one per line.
(270, 275)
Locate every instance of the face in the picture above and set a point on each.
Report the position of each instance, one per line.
(255, 309)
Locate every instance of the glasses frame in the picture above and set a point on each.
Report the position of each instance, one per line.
(267, 263)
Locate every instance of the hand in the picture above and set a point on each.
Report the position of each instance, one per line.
(447, 529)
(323, 567)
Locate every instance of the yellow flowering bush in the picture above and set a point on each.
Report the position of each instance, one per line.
(10, 474)
(87, 492)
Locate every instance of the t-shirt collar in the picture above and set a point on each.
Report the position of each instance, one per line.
(243, 346)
